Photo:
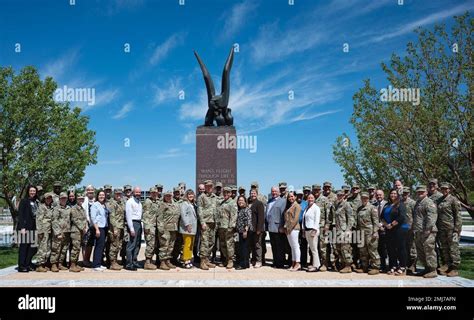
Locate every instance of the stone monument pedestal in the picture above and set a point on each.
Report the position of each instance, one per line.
(216, 158)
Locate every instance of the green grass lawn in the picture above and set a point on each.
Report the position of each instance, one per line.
(8, 257)
(466, 269)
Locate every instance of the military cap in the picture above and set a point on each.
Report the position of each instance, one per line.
(218, 184)
(48, 194)
(234, 188)
(39, 188)
(355, 186)
(242, 188)
(107, 186)
(364, 194)
(282, 184)
(80, 196)
(345, 187)
(340, 192)
(433, 180)
(176, 189)
(327, 184)
(445, 185)
(421, 188)
(57, 184)
(182, 184)
(118, 190)
(254, 184)
(228, 189)
(316, 186)
(153, 189)
(371, 187)
(299, 191)
(406, 190)
(159, 185)
(127, 187)
(168, 193)
(208, 182)
(306, 188)
(63, 195)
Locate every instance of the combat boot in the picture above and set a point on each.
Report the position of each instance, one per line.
(430, 273)
(453, 272)
(443, 270)
(170, 265)
(115, 266)
(323, 268)
(62, 267)
(163, 266)
(203, 265)
(74, 268)
(230, 264)
(149, 265)
(346, 269)
(41, 268)
(373, 272)
(54, 267)
(210, 264)
(411, 269)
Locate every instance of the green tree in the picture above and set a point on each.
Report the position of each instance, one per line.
(417, 142)
(42, 140)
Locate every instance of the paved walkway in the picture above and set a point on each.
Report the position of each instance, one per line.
(218, 277)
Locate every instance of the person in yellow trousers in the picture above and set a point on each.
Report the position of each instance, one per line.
(188, 227)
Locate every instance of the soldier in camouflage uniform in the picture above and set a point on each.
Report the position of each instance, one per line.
(226, 221)
(108, 193)
(206, 210)
(57, 186)
(233, 192)
(61, 225)
(78, 229)
(353, 198)
(159, 190)
(149, 217)
(328, 193)
(325, 207)
(44, 219)
(342, 217)
(367, 221)
(167, 223)
(424, 225)
(410, 242)
(116, 228)
(372, 198)
(449, 230)
(346, 190)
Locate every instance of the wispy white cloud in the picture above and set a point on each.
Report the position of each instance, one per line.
(430, 19)
(104, 97)
(168, 92)
(162, 50)
(237, 17)
(189, 137)
(122, 113)
(59, 67)
(273, 44)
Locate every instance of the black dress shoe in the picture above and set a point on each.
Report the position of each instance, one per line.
(131, 268)
(23, 269)
(239, 268)
(136, 264)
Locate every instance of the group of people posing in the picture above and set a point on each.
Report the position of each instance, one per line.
(312, 229)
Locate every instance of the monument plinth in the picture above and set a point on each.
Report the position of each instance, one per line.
(214, 160)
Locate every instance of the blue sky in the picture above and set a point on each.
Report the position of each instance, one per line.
(281, 48)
